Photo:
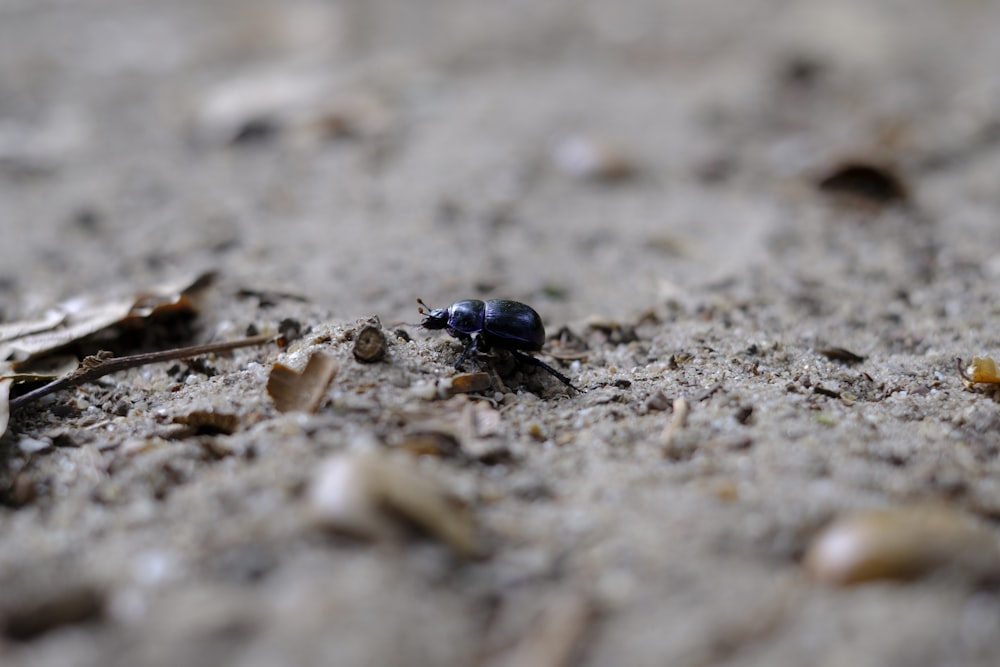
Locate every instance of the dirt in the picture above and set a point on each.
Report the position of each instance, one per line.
(332, 162)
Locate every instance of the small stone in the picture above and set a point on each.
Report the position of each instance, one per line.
(32, 445)
(592, 158)
(369, 345)
(903, 543)
(658, 402)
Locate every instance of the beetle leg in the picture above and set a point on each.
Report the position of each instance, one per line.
(471, 348)
(528, 359)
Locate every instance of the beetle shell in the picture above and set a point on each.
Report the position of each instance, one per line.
(508, 321)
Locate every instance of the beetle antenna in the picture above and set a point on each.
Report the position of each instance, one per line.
(424, 306)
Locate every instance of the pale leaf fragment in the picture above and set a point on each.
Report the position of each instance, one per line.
(554, 638)
(980, 370)
(4, 404)
(78, 318)
(294, 391)
(366, 493)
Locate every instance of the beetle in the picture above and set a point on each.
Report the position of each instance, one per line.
(481, 325)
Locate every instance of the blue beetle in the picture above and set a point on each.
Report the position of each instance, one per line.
(482, 325)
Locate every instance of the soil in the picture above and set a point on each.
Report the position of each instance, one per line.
(700, 201)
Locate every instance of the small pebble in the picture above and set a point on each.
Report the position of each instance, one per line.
(658, 402)
(591, 158)
(903, 543)
(32, 445)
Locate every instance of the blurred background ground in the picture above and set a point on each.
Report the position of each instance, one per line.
(335, 160)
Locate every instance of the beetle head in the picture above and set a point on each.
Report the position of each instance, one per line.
(436, 318)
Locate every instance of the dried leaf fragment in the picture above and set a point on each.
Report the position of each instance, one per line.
(467, 383)
(366, 493)
(76, 319)
(210, 421)
(902, 543)
(980, 370)
(840, 354)
(864, 183)
(303, 391)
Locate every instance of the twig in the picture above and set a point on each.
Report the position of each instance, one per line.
(101, 364)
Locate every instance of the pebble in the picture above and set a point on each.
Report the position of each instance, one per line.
(902, 543)
(32, 445)
(592, 158)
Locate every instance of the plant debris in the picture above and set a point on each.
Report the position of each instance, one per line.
(840, 354)
(981, 370)
(864, 183)
(367, 493)
(294, 391)
(77, 319)
(677, 423)
(5, 384)
(210, 422)
(902, 543)
(430, 442)
(53, 609)
(370, 344)
(103, 363)
(467, 383)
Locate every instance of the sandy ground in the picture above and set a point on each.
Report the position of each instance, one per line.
(334, 161)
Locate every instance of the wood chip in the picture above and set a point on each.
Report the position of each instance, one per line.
(467, 383)
(366, 494)
(49, 610)
(370, 344)
(294, 391)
